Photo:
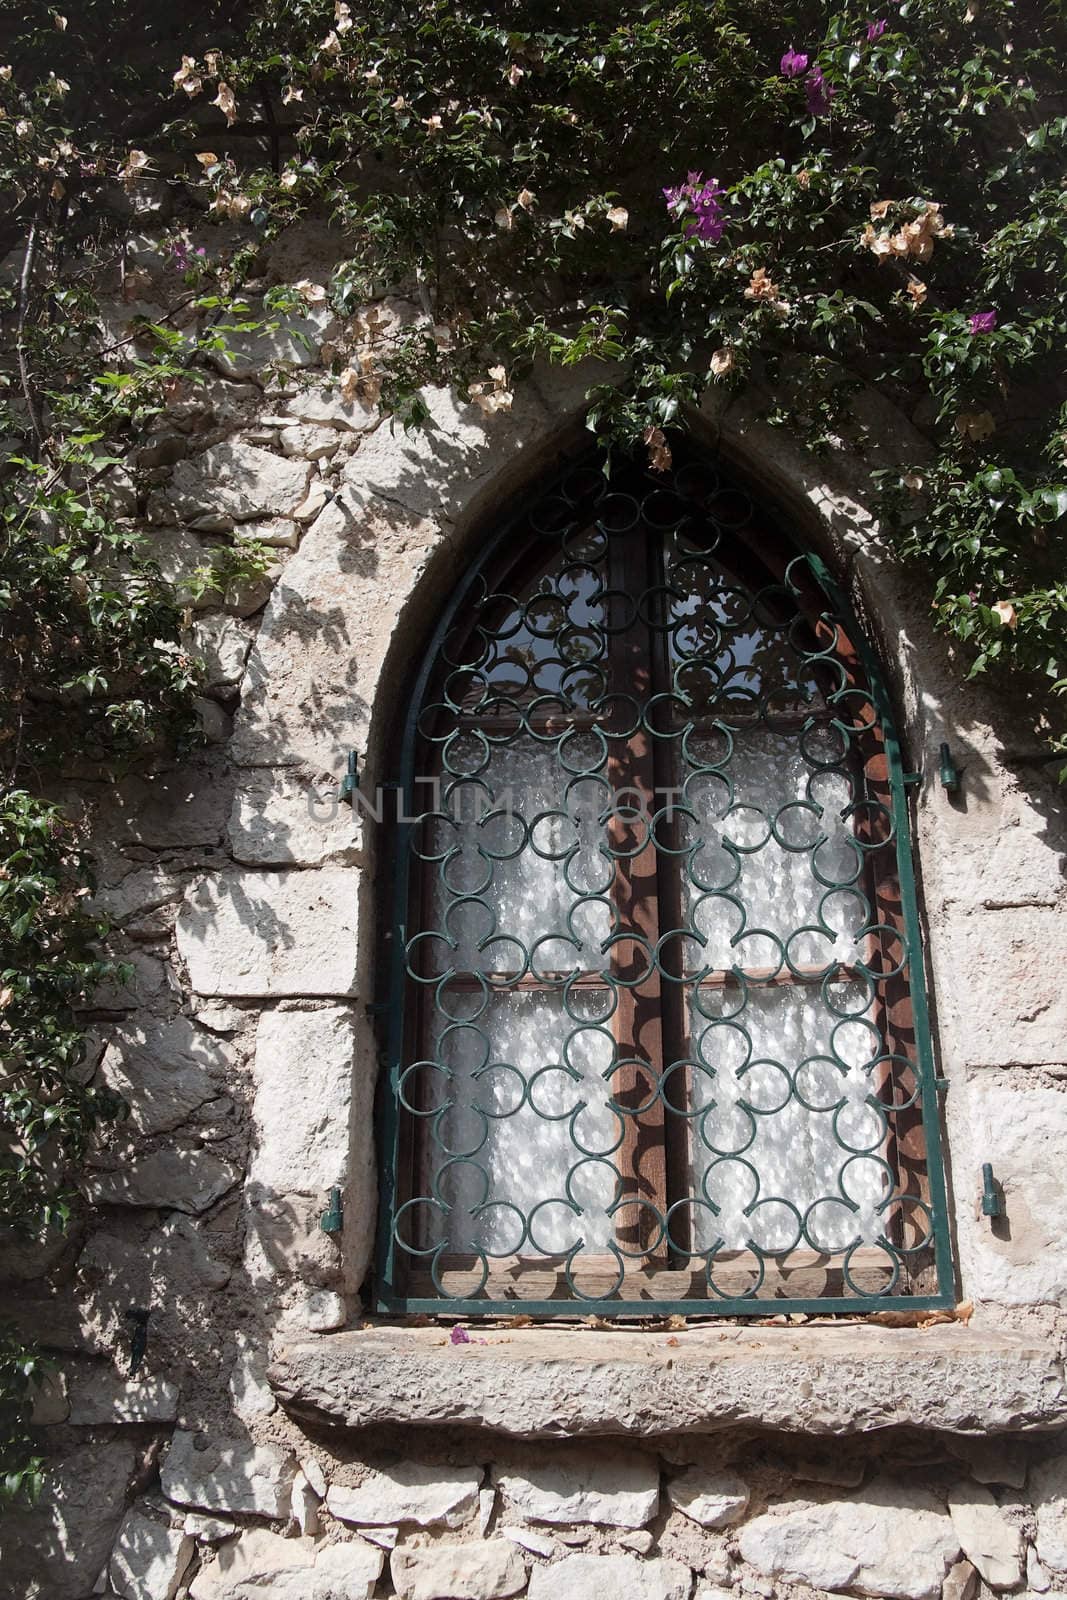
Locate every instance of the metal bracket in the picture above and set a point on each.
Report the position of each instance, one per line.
(350, 781)
(911, 777)
(950, 777)
(992, 1199)
(333, 1219)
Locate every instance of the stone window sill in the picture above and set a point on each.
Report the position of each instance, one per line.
(555, 1382)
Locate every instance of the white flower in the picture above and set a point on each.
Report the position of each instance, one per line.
(619, 218)
(1005, 613)
(226, 103)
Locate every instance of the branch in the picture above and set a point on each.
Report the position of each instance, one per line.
(33, 403)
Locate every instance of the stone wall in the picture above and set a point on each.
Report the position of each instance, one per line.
(272, 1445)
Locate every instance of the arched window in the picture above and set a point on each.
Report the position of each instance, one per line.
(658, 1038)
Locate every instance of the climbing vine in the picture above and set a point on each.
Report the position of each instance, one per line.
(796, 204)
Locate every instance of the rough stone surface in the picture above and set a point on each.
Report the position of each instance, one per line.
(282, 819)
(263, 1566)
(589, 1577)
(295, 343)
(484, 1569)
(222, 644)
(1048, 1485)
(239, 481)
(324, 1311)
(1012, 958)
(170, 809)
(323, 404)
(187, 1180)
(412, 1491)
(250, 1392)
(819, 1380)
(887, 1540)
(161, 1070)
(714, 1499)
(228, 1475)
(1022, 1130)
(271, 934)
(149, 1559)
(57, 1550)
(303, 1073)
(305, 1506)
(105, 1397)
(989, 1540)
(621, 1490)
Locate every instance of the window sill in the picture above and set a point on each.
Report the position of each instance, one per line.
(558, 1382)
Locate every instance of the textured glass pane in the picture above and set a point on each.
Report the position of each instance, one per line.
(511, 1156)
(789, 1111)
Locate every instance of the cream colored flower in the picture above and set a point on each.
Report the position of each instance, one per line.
(515, 74)
(659, 451)
(975, 425)
(761, 286)
(5, 74)
(525, 199)
(207, 158)
(211, 62)
(289, 180)
(186, 71)
(342, 16)
(918, 290)
(331, 45)
(313, 293)
(23, 128)
(1006, 613)
(722, 362)
(433, 125)
(226, 103)
(291, 93)
(619, 218)
(913, 481)
(60, 22)
(879, 209)
(136, 162)
(504, 219)
(58, 86)
(804, 178)
(399, 104)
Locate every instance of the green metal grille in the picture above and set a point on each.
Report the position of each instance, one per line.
(658, 1037)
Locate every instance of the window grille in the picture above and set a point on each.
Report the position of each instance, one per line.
(657, 1030)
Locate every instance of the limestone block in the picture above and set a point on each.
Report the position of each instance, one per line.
(484, 1569)
(303, 1073)
(714, 1499)
(440, 468)
(149, 1559)
(222, 644)
(538, 1544)
(108, 1397)
(989, 1540)
(887, 1540)
(161, 1070)
(826, 1381)
(227, 1475)
(324, 404)
(278, 532)
(178, 553)
(588, 1577)
(251, 1394)
(305, 1506)
(1010, 961)
(581, 1485)
(1022, 1130)
(1048, 1487)
(208, 1530)
(314, 1475)
(237, 480)
(284, 1239)
(324, 1311)
(1017, 866)
(267, 935)
(261, 1563)
(309, 442)
(145, 889)
(294, 343)
(283, 818)
(187, 1180)
(181, 806)
(51, 1400)
(412, 1491)
(640, 1541)
(961, 1582)
(57, 1549)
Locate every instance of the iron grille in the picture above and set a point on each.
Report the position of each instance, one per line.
(658, 1036)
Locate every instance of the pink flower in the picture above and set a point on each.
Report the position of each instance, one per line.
(703, 201)
(983, 321)
(459, 1335)
(819, 92)
(875, 30)
(792, 64)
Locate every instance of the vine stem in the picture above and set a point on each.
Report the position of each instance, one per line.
(25, 279)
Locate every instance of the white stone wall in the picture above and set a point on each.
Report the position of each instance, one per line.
(258, 1454)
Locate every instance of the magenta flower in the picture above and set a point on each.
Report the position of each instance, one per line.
(459, 1335)
(793, 64)
(983, 321)
(703, 201)
(875, 30)
(819, 92)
